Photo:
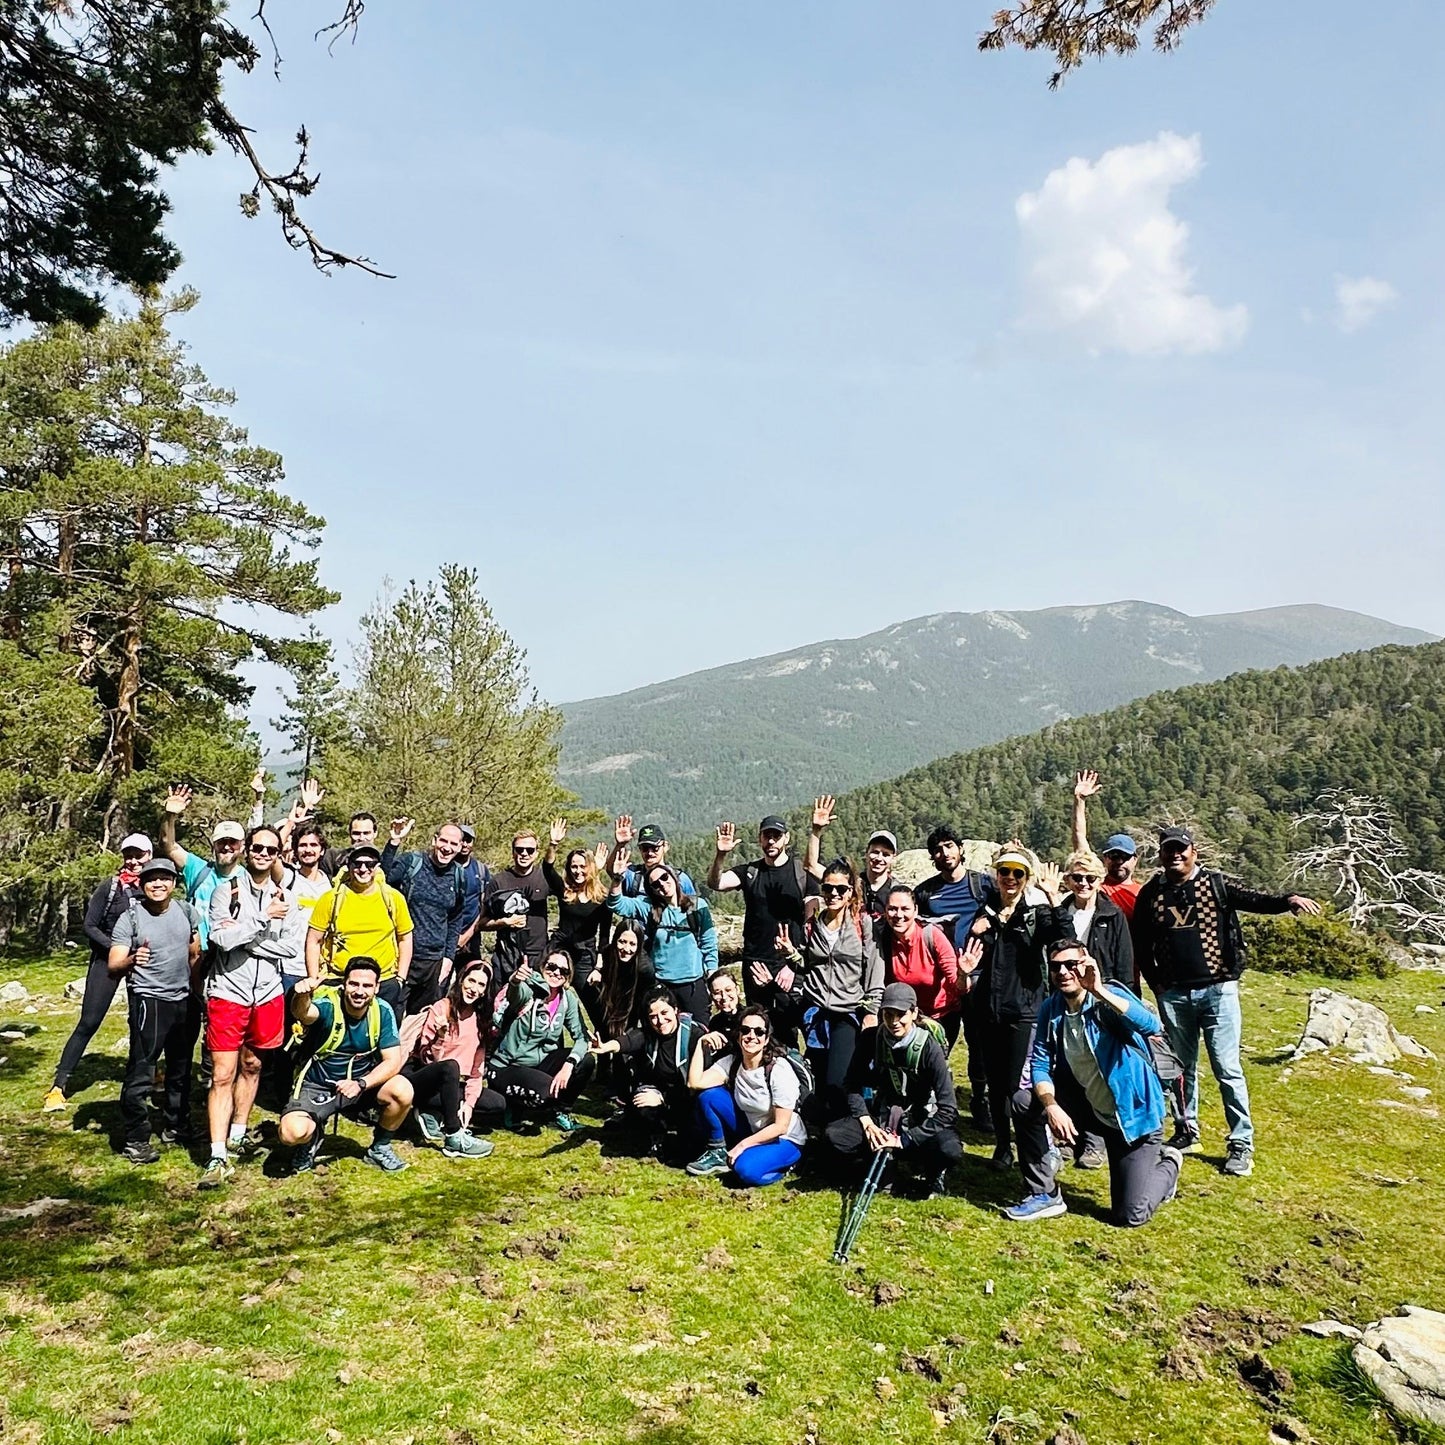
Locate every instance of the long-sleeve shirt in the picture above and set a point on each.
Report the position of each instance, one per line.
(583, 924)
(930, 1084)
(924, 959)
(464, 1043)
(682, 949)
(106, 905)
(435, 897)
(844, 973)
(254, 953)
(531, 1030)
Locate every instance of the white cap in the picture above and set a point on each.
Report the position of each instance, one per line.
(135, 840)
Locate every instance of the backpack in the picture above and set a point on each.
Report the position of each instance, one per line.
(414, 862)
(337, 1032)
(802, 1070)
(898, 1077)
(682, 1049)
(694, 925)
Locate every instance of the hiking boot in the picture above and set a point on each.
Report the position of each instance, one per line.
(1185, 1139)
(172, 1137)
(1003, 1159)
(216, 1173)
(382, 1156)
(431, 1128)
(1091, 1158)
(1037, 1206)
(141, 1151)
(712, 1160)
(465, 1145)
(54, 1102)
(1240, 1162)
(303, 1161)
(980, 1113)
(567, 1124)
(1170, 1152)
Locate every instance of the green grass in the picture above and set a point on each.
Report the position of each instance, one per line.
(550, 1293)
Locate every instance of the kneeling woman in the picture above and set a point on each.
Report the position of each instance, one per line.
(748, 1103)
(534, 1069)
(448, 1068)
(661, 1102)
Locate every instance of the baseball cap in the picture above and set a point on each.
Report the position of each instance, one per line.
(1120, 843)
(224, 830)
(883, 836)
(650, 833)
(158, 865)
(1175, 835)
(773, 824)
(135, 840)
(899, 996)
(469, 833)
(364, 850)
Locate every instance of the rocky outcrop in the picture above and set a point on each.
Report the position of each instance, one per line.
(1337, 1021)
(1404, 1357)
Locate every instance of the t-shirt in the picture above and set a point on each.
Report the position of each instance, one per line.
(307, 891)
(354, 1057)
(752, 1095)
(1083, 921)
(666, 1075)
(1085, 1068)
(1122, 895)
(512, 895)
(364, 927)
(200, 879)
(167, 972)
(939, 898)
(771, 896)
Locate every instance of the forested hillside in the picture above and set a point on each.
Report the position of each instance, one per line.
(749, 736)
(1241, 758)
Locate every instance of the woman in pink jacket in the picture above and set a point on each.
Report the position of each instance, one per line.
(447, 1067)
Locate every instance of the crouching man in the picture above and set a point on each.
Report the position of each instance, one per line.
(1091, 1070)
(904, 1062)
(353, 1066)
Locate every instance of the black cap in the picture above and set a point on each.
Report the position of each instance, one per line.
(899, 996)
(650, 833)
(364, 850)
(1175, 835)
(773, 824)
(158, 865)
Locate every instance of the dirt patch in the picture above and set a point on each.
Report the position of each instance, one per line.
(1184, 1362)
(885, 1292)
(1246, 1331)
(1273, 1382)
(920, 1365)
(545, 1246)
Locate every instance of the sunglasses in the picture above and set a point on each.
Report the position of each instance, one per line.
(1012, 872)
(649, 847)
(267, 848)
(1082, 877)
(522, 848)
(1065, 965)
(363, 866)
(836, 890)
(749, 1032)
(554, 968)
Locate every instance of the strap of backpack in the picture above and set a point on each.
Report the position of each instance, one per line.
(235, 908)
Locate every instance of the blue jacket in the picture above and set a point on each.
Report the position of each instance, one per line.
(1118, 1044)
(683, 947)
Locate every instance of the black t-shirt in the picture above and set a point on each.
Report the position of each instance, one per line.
(583, 924)
(773, 895)
(510, 895)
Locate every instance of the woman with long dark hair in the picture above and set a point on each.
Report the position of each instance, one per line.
(623, 978)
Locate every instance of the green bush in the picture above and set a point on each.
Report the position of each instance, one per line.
(1325, 945)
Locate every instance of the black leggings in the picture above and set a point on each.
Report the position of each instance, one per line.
(528, 1087)
(100, 987)
(831, 1066)
(1005, 1048)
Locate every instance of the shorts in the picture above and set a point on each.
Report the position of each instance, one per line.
(319, 1101)
(231, 1025)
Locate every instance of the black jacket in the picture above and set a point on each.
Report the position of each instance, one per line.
(103, 912)
(1012, 978)
(931, 1083)
(1108, 941)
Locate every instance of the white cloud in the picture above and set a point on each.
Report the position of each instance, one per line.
(1359, 299)
(1105, 256)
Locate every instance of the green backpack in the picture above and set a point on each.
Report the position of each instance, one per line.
(898, 1076)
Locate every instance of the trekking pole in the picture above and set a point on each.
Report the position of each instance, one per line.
(848, 1231)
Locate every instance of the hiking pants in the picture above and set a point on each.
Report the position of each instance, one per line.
(1005, 1049)
(422, 987)
(831, 1065)
(691, 997)
(1141, 1175)
(763, 1163)
(928, 1156)
(100, 987)
(528, 1086)
(974, 1019)
(159, 1028)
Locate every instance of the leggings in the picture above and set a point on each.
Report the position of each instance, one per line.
(437, 1089)
(691, 997)
(1005, 1048)
(831, 1065)
(528, 1087)
(100, 987)
(763, 1163)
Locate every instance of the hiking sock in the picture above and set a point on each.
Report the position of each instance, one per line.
(382, 1136)
(237, 1136)
(218, 1151)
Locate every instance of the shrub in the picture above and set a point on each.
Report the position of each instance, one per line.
(1325, 945)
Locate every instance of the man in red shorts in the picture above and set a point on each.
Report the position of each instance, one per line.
(258, 935)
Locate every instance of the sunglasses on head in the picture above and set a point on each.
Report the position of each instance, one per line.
(1012, 872)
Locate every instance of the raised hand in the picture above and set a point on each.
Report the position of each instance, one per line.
(622, 830)
(400, 827)
(823, 811)
(1086, 783)
(1087, 972)
(558, 832)
(258, 782)
(311, 794)
(1051, 880)
(784, 941)
(727, 837)
(599, 857)
(971, 954)
(178, 798)
(298, 811)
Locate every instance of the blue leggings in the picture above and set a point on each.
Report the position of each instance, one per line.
(763, 1163)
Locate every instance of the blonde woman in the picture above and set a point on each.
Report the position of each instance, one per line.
(582, 914)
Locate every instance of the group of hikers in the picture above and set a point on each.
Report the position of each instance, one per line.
(422, 990)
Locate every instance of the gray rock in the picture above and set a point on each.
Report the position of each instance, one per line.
(1414, 1091)
(1423, 1008)
(1337, 1021)
(75, 990)
(1330, 1329)
(1404, 1357)
(13, 992)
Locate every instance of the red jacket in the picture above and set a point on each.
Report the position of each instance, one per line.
(926, 960)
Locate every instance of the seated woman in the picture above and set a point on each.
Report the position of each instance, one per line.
(722, 1023)
(537, 1073)
(661, 1102)
(681, 936)
(748, 1103)
(447, 1068)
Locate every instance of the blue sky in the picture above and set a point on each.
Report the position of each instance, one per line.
(740, 306)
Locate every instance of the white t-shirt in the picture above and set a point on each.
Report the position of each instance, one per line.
(1083, 921)
(755, 1101)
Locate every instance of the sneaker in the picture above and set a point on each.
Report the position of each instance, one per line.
(141, 1151)
(55, 1101)
(246, 1147)
(1185, 1139)
(1037, 1206)
(712, 1160)
(1169, 1152)
(567, 1124)
(383, 1156)
(1240, 1162)
(303, 1161)
(431, 1128)
(172, 1137)
(1091, 1158)
(216, 1173)
(1003, 1158)
(937, 1186)
(465, 1145)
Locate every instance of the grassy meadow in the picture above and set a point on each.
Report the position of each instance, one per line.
(558, 1291)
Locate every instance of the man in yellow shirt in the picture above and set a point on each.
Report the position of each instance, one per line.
(362, 917)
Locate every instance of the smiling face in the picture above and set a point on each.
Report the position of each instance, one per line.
(1120, 865)
(901, 911)
(1062, 975)
(557, 971)
(1011, 879)
(1178, 859)
(661, 886)
(662, 1017)
(447, 843)
(359, 990)
(524, 853)
(723, 990)
(228, 852)
(363, 830)
(309, 850)
(157, 886)
(261, 852)
(625, 946)
(474, 985)
(880, 859)
(577, 867)
(835, 888)
(753, 1034)
(897, 1021)
(1083, 883)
